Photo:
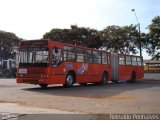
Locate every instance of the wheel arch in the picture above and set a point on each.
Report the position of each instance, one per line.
(74, 74)
(106, 72)
(134, 73)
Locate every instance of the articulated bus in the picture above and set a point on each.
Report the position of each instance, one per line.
(45, 62)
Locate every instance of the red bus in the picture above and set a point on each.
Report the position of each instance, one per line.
(46, 62)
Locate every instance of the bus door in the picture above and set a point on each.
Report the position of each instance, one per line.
(114, 67)
(57, 70)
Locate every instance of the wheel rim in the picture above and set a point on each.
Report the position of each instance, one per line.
(69, 80)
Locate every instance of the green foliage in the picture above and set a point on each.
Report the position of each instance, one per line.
(76, 35)
(120, 39)
(153, 39)
(7, 40)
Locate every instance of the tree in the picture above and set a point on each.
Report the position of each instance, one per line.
(56, 34)
(7, 40)
(76, 35)
(120, 39)
(153, 38)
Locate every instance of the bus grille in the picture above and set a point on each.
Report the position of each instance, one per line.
(35, 71)
(30, 81)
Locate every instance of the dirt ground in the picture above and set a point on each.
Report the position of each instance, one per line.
(140, 97)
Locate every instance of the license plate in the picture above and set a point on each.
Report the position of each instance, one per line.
(22, 71)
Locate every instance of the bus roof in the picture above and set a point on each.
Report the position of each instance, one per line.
(69, 44)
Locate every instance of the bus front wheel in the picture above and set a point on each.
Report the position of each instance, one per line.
(69, 80)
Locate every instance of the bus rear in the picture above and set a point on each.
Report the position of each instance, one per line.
(34, 62)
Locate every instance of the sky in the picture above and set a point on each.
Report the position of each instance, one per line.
(31, 19)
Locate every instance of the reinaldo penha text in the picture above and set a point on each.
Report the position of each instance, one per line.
(134, 116)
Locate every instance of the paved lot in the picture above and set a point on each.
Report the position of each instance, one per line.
(140, 97)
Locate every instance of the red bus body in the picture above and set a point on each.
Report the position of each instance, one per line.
(48, 62)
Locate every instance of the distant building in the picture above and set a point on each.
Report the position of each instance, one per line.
(151, 65)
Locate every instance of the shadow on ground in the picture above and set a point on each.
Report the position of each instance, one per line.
(93, 91)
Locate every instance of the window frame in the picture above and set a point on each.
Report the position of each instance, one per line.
(128, 60)
(140, 58)
(65, 58)
(124, 60)
(105, 57)
(90, 56)
(61, 57)
(97, 60)
(77, 56)
(134, 61)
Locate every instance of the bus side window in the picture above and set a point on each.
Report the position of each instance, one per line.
(134, 61)
(96, 57)
(139, 61)
(128, 60)
(56, 56)
(88, 56)
(108, 57)
(79, 55)
(69, 54)
(104, 58)
(99, 58)
(121, 60)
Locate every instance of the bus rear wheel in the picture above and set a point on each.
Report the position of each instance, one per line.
(43, 85)
(69, 80)
(104, 80)
(133, 78)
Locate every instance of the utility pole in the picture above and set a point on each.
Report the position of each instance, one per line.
(139, 31)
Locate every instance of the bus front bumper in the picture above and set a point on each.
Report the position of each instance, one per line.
(31, 80)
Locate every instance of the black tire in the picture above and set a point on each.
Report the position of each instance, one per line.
(133, 78)
(43, 85)
(69, 80)
(104, 80)
(7, 74)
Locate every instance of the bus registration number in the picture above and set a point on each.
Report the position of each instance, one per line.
(22, 71)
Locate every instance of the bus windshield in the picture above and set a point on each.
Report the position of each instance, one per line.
(34, 57)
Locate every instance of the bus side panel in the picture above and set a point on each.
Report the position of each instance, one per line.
(139, 71)
(125, 72)
(93, 72)
(82, 72)
(107, 69)
(57, 75)
(57, 79)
